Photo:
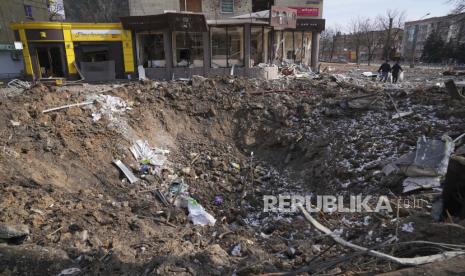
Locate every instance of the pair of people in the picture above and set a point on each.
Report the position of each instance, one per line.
(386, 68)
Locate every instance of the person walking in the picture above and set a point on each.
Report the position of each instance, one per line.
(385, 69)
(396, 69)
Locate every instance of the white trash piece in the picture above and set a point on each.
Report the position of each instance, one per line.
(70, 271)
(146, 155)
(417, 183)
(408, 227)
(401, 77)
(198, 215)
(141, 71)
(109, 106)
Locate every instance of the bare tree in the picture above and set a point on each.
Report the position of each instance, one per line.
(330, 40)
(96, 10)
(357, 36)
(56, 11)
(459, 5)
(371, 38)
(392, 24)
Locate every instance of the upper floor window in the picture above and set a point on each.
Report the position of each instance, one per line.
(227, 6)
(28, 11)
(191, 5)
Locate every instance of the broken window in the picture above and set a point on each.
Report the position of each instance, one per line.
(289, 53)
(236, 46)
(293, 47)
(151, 50)
(227, 6)
(278, 45)
(261, 5)
(227, 46)
(298, 46)
(259, 45)
(188, 49)
(307, 48)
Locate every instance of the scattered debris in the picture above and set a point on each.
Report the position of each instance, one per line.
(14, 234)
(67, 106)
(402, 261)
(19, 84)
(198, 215)
(70, 271)
(146, 155)
(130, 176)
(453, 90)
(408, 227)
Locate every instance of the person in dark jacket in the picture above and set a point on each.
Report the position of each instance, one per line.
(396, 69)
(385, 69)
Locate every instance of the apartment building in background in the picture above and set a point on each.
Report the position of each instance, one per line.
(11, 59)
(450, 28)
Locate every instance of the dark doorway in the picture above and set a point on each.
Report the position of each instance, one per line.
(50, 62)
(261, 5)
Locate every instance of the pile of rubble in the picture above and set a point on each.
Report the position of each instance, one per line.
(169, 177)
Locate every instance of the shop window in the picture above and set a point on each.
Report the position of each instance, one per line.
(188, 49)
(227, 46)
(298, 46)
(259, 45)
(307, 44)
(28, 11)
(227, 6)
(236, 46)
(289, 52)
(151, 50)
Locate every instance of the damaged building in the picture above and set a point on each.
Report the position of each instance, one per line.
(179, 39)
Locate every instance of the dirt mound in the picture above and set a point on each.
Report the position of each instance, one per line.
(229, 138)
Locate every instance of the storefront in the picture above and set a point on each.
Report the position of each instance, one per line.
(299, 45)
(238, 46)
(170, 45)
(102, 52)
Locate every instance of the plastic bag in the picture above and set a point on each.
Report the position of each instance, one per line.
(198, 215)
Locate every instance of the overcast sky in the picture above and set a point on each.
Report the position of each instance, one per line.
(341, 11)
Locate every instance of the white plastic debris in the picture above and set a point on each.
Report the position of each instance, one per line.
(70, 271)
(198, 215)
(147, 155)
(127, 172)
(236, 251)
(408, 227)
(416, 183)
(109, 106)
(368, 74)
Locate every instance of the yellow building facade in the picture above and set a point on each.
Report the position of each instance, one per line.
(102, 51)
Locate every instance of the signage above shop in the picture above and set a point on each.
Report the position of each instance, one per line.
(307, 11)
(95, 35)
(283, 18)
(181, 22)
(316, 25)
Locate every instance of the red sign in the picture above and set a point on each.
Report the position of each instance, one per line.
(303, 11)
